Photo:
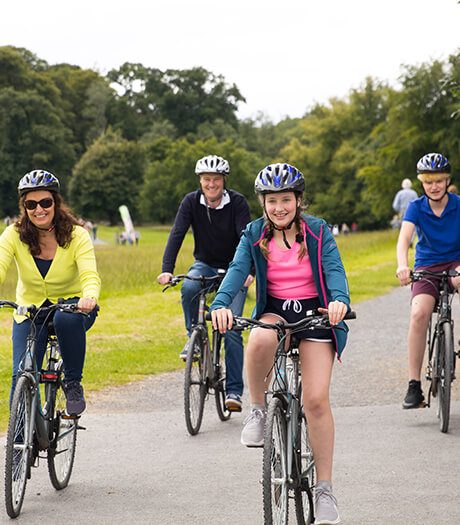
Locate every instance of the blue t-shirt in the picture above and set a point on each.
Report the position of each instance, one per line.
(438, 237)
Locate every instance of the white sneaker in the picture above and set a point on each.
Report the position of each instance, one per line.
(326, 512)
(253, 430)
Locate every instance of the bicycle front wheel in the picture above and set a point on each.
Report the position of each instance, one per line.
(17, 449)
(303, 495)
(445, 369)
(275, 475)
(219, 379)
(61, 452)
(195, 383)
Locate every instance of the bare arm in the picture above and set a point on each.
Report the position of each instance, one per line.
(402, 252)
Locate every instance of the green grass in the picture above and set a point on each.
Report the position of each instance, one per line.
(140, 329)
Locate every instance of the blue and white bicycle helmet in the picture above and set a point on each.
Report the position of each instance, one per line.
(433, 163)
(38, 180)
(279, 177)
(212, 164)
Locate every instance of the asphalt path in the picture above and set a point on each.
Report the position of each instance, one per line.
(136, 462)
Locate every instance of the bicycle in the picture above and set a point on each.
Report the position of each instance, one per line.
(440, 370)
(35, 427)
(288, 462)
(205, 364)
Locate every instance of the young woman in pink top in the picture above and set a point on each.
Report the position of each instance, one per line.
(298, 268)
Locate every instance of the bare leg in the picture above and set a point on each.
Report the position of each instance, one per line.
(259, 356)
(317, 360)
(421, 310)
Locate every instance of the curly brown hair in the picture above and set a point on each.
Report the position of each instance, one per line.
(64, 222)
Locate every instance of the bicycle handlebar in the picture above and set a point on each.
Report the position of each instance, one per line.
(417, 275)
(313, 319)
(176, 279)
(32, 309)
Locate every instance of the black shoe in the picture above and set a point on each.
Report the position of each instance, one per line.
(414, 397)
(75, 398)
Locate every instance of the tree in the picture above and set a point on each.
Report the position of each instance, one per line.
(108, 175)
(31, 137)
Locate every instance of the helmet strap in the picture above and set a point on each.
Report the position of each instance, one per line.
(283, 231)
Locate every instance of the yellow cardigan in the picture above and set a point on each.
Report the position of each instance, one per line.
(72, 273)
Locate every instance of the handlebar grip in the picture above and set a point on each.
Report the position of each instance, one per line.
(208, 316)
(350, 315)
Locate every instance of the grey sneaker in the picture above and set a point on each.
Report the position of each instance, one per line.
(76, 403)
(326, 512)
(253, 430)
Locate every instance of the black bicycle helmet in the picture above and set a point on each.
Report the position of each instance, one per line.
(38, 180)
(212, 164)
(279, 177)
(433, 163)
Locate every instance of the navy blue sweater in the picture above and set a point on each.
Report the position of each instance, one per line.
(215, 239)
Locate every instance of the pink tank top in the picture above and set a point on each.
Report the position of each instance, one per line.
(287, 277)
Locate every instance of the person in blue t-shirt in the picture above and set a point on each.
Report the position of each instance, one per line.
(436, 218)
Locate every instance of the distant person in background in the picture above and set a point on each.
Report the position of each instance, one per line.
(335, 230)
(403, 198)
(218, 217)
(345, 228)
(354, 227)
(452, 189)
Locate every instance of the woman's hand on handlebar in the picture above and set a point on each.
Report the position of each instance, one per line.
(403, 274)
(336, 311)
(86, 304)
(164, 278)
(222, 319)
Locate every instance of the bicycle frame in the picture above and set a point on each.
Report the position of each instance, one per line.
(443, 315)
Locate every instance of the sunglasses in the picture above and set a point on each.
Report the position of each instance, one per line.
(44, 203)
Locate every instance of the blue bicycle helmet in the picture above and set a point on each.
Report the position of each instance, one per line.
(433, 163)
(38, 180)
(276, 178)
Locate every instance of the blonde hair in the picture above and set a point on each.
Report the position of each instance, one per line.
(431, 177)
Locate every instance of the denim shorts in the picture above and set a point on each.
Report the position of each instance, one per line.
(430, 285)
(293, 310)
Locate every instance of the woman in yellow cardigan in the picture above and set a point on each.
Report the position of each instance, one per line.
(55, 258)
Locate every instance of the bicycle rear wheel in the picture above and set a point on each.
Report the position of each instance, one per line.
(275, 476)
(219, 379)
(445, 369)
(17, 450)
(195, 383)
(303, 495)
(61, 452)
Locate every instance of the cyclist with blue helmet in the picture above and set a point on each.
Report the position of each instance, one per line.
(55, 259)
(298, 268)
(435, 216)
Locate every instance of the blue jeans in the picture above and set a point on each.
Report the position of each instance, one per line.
(70, 330)
(233, 340)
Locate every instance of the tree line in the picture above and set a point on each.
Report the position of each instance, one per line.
(133, 136)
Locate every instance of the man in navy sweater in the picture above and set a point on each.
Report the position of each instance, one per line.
(217, 216)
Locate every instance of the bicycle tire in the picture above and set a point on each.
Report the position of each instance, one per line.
(17, 460)
(61, 452)
(303, 499)
(195, 383)
(445, 368)
(219, 381)
(275, 487)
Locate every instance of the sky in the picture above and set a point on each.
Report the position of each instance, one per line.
(284, 56)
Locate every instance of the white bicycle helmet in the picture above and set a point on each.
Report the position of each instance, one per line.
(212, 164)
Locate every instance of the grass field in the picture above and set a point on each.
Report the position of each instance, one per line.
(140, 329)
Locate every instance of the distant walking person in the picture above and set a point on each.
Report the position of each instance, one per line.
(217, 216)
(436, 217)
(404, 196)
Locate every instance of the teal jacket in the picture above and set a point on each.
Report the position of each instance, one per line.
(328, 271)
